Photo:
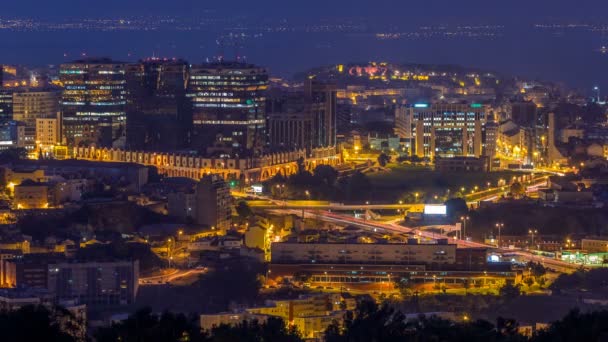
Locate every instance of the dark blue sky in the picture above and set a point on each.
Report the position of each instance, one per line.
(487, 11)
(570, 56)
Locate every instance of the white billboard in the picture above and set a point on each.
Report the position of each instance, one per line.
(435, 209)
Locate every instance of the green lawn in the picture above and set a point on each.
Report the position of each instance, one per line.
(391, 185)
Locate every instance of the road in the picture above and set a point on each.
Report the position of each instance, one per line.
(282, 206)
(558, 265)
(169, 277)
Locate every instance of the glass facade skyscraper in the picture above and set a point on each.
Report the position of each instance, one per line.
(93, 102)
(228, 105)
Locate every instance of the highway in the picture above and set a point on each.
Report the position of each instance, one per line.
(170, 276)
(558, 265)
(322, 211)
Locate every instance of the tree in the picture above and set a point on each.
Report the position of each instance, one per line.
(143, 325)
(456, 207)
(383, 159)
(404, 285)
(243, 210)
(466, 284)
(529, 281)
(274, 329)
(13, 154)
(509, 290)
(36, 323)
(357, 187)
(326, 174)
(517, 190)
(235, 281)
(576, 326)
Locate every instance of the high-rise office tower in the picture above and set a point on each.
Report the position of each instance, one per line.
(94, 101)
(228, 105)
(157, 85)
(447, 130)
(158, 116)
(321, 102)
(6, 104)
(403, 126)
(28, 106)
(290, 131)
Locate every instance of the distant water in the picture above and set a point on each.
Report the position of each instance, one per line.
(571, 58)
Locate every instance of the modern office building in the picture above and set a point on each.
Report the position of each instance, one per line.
(447, 130)
(322, 107)
(213, 203)
(89, 282)
(28, 106)
(6, 104)
(290, 131)
(12, 134)
(403, 126)
(94, 102)
(228, 105)
(94, 282)
(157, 86)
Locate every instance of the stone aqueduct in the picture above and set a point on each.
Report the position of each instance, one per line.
(246, 169)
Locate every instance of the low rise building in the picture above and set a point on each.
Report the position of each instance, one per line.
(595, 244)
(31, 195)
(462, 164)
(88, 281)
(364, 253)
(311, 315)
(15, 298)
(210, 321)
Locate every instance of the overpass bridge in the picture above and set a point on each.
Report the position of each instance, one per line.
(323, 205)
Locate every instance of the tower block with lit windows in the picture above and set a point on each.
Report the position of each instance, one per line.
(448, 130)
(228, 105)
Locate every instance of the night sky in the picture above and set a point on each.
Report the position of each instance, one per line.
(568, 56)
(503, 11)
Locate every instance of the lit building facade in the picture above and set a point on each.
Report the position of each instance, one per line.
(12, 134)
(6, 104)
(93, 102)
(48, 132)
(363, 253)
(32, 105)
(213, 203)
(228, 104)
(31, 195)
(448, 130)
(112, 282)
(321, 100)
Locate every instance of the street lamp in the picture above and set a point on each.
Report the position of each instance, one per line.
(533, 232)
(307, 193)
(169, 257)
(499, 225)
(464, 225)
